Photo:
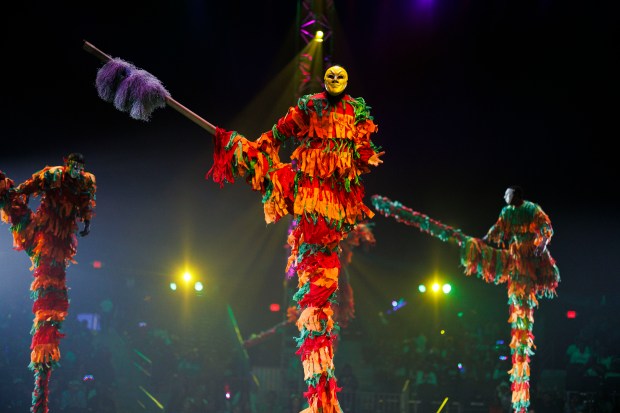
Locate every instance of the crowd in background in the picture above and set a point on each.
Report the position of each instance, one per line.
(127, 361)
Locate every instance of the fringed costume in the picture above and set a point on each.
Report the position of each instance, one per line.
(518, 231)
(322, 189)
(49, 238)
(344, 309)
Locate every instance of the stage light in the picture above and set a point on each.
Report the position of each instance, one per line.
(442, 332)
(422, 288)
(571, 314)
(173, 286)
(446, 288)
(97, 265)
(198, 286)
(274, 307)
(318, 37)
(435, 287)
(397, 305)
(187, 276)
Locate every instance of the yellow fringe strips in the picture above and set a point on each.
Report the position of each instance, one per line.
(45, 283)
(276, 206)
(325, 277)
(320, 164)
(49, 315)
(318, 362)
(310, 319)
(45, 353)
(332, 125)
(328, 278)
(326, 203)
(520, 395)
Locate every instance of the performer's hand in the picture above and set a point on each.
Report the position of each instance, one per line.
(374, 159)
(540, 248)
(86, 229)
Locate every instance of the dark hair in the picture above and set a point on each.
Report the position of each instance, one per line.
(75, 157)
(517, 191)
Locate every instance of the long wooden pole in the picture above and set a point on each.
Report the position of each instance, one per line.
(90, 48)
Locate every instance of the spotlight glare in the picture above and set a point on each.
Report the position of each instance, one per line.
(173, 286)
(435, 287)
(318, 36)
(198, 286)
(446, 288)
(422, 288)
(187, 276)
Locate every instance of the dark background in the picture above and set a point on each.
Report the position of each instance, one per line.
(469, 96)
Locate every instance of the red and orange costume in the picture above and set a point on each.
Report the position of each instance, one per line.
(321, 188)
(49, 238)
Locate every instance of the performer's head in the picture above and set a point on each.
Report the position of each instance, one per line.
(74, 162)
(514, 195)
(335, 79)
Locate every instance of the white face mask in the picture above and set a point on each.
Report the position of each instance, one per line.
(509, 195)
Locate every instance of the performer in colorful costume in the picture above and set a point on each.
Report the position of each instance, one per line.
(523, 231)
(321, 188)
(49, 238)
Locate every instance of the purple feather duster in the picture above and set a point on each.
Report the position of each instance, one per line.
(132, 90)
(110, 76)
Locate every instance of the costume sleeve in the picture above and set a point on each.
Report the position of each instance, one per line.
(364, 128)
(364, 146)
(541, 225)
(235, 156)
(88, 197)
(47, 178)
(497, 233)
(295, 124)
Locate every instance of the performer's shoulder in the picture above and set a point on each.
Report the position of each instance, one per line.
(90, 178)
(50, 171)
(312, 97)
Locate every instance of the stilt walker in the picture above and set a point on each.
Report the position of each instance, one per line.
(48, 235)
(321, 188)
(523, 262)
